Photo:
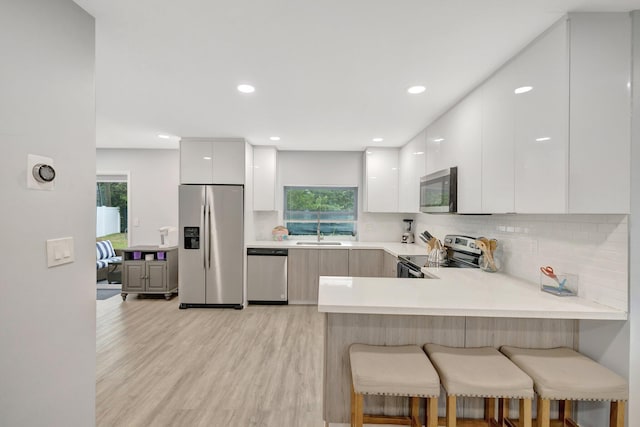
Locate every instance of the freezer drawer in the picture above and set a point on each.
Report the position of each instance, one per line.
(267, 276)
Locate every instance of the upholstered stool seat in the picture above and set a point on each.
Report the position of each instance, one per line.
(481, 372)
(566, 375)
(393, 371)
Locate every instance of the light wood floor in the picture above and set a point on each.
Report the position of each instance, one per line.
(161, 366)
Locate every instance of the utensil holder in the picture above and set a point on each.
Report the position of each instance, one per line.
(565, 286)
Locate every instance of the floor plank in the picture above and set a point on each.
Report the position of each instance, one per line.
(161, 366)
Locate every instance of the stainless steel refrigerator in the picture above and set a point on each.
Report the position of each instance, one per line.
(211, 219)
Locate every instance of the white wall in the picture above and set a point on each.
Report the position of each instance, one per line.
(634, 229)
(153, 188)
(47, 316)
(336, 168)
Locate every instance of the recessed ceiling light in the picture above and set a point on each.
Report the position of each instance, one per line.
(245, 88)
(378, 139)
(438, 140)
(369, 152)
(417, 153)
(394, 169)
(544, 138)
(274, 138)
(414, 90)
(207, 158)
(522, 89)
(163, 136)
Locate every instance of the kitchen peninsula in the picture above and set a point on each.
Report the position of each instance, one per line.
(455, 307)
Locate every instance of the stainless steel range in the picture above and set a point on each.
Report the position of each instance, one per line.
(461, 253)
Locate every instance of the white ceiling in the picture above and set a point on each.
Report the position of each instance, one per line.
(329, 75)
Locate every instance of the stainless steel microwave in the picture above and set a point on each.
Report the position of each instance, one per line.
(439, 191)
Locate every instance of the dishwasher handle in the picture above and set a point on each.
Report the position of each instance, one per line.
(267, 252)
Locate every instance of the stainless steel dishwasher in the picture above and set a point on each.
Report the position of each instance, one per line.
(267, 276)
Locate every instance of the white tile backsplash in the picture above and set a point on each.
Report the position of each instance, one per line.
(595, 247)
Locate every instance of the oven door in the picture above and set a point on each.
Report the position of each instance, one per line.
(407, 271)
(439, 191)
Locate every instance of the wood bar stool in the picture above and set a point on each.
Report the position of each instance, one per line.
(393, 371)
(481, 372)
(565, 375)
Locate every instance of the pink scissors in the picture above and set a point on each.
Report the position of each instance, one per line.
(548, 271)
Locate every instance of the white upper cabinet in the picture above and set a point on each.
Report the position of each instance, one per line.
(455, 139)
(498, 150)
(205, 161)
(600, 147)
(381, 180)
(264, 178)
(411, 167)
(542, 124)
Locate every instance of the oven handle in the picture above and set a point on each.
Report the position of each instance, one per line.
(416, 274)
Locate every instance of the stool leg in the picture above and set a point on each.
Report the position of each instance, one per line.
(564, 410)
(414, 411)
(489, 409)
(616, 416)
(358, 419)
(503, 410)
(353, 406)
(431, 412)
(525, 413)
(451, 411)
(544, 412)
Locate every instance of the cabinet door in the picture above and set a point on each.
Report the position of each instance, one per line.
(542, 125)
(498, 134)
(411, 168)
(390, 265)
(382, 179)
(196, 162)
(333, 262)
(366, 262)
(302, 276)
(134, 276)
(156, 272)
(228, 162)
(599, 181)
(264, 178)
(463, 148)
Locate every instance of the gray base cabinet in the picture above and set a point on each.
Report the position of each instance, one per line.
(366, 262)
(149, 270)
(390, 265)
(305, 266)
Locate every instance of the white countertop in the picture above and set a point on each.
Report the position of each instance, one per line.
(454, 292)
(394, 248)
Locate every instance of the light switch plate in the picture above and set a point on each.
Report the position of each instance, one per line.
(59, 251)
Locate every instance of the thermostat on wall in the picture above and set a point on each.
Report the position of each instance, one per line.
(40, 172)
(44, 173)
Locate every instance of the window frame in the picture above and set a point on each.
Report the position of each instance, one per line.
(353, 221)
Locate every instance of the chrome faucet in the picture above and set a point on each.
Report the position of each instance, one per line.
(320, 237)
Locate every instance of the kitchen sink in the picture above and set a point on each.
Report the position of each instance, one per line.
(321, 243)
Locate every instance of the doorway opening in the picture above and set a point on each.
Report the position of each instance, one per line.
(112, 224)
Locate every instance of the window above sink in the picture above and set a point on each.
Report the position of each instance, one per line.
(327, 211)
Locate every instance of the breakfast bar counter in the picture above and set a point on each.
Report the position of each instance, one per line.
(454, 307)
(455, 292)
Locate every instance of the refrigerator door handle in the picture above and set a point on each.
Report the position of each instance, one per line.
(209, 237)
(203, 240)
